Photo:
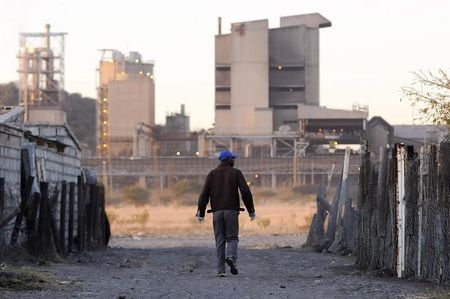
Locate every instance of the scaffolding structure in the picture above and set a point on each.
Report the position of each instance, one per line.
(106, 56)
(267, 146)
(41, 68)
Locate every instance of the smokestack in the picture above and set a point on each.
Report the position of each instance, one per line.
(182, 109)
(47, 37)
(219, 24)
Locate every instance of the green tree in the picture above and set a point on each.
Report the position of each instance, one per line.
(81, 112)
(430, 92)
(81, 117)
(9, 94)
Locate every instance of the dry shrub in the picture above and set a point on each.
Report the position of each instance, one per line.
(242, 223)
(161, 197)
(265, 193)
(305, 189)
(136, 195)
(187, 200)
(184, 186)
(23, 279)
(112, 217)
(141, 218)
(308, 218)
(263, 222)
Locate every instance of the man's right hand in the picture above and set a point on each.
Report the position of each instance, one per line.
(252, 216)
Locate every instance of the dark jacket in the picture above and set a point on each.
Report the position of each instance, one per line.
(221, 187)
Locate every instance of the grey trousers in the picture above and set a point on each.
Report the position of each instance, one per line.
(226, 231)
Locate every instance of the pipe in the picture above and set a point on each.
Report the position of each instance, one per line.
(219, 24)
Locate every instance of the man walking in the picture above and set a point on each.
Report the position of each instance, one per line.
(221, 187)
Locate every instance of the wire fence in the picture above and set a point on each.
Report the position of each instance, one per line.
(403, 213)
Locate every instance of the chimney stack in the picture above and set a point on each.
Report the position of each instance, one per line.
(219, 24)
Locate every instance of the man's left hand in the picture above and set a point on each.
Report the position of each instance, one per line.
(199, 218)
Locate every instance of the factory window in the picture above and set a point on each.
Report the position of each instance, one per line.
(287, 88)
(223, 88)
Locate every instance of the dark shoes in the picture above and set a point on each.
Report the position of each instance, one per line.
(231, 261)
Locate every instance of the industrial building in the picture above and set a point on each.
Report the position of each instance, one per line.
(381, 134)
(262, 74)
(176, 138)
(41, 75)
(126, 104)
(267, 100)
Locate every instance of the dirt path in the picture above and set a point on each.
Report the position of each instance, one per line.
(181, 267)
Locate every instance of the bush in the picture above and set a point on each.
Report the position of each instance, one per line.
(136, 195)
(184, 186)
(305, 189)
(142, 218)
(265, 193)
(263, 222)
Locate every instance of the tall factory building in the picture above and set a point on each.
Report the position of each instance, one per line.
(262, 74)
(126, 104)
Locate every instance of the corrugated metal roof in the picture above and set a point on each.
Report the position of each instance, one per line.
(419, 132)
(317, 112)
(10, 113)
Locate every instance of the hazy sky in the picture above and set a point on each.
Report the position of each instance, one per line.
(366, 56)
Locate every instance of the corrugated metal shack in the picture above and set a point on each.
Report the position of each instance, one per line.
(52, 155)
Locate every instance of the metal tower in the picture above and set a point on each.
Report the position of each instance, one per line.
(41, 68)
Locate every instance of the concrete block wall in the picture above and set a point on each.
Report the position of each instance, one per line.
(61, 167)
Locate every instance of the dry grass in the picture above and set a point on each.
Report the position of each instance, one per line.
(285, 213)
(22, 279)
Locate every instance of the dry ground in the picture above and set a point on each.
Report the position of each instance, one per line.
(272, 217)
(182, 266)
(162, 252)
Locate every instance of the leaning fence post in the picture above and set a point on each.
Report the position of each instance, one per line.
(80, 204)
(2, 196)
(401, 210)
(71, 212)
(102, 215)
(24, 201)
(31, 222)
(62, 219)
(423, 171)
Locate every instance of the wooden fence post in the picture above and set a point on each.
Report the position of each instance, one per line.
(81, 213)
(46, 246)
(380, 211)
(95, 216)
(62, 219)
(24, 201)
(2, 197)
(53, 202)
(42, 210)
(71, 216)
(31, 222)
(401, 210)
(102, 216)
(89, 213)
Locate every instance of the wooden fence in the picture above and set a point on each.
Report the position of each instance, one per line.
(403, 213)
(73, 204)
(333, 228)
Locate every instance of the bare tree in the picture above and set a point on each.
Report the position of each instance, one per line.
(430, 92)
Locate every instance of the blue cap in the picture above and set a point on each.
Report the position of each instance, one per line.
(226, 154)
